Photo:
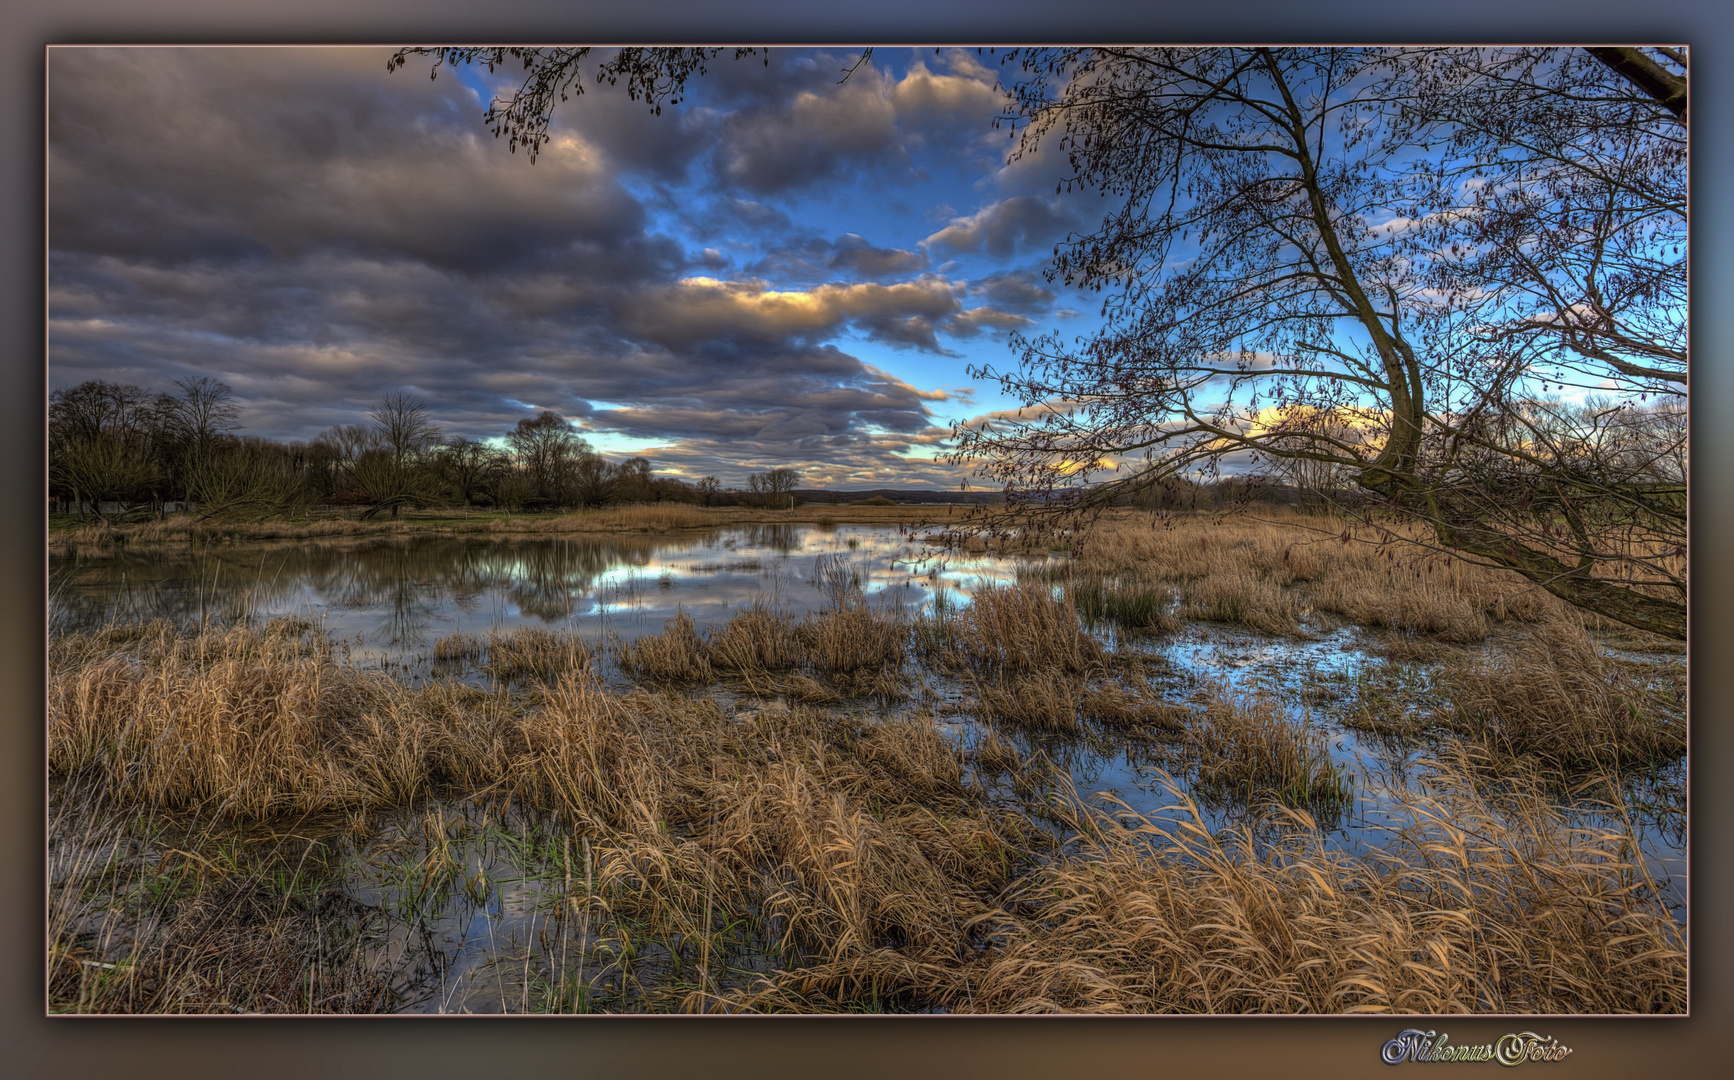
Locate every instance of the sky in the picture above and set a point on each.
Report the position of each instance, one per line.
(785, 269)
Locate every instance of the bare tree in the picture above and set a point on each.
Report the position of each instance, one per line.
(633, 482)
(775, 487)
(404, 426)
(103, 444)
(1347, 257)
(547, 450)
(468, 467)
(204, 411)
(399, 474)
(251, 478)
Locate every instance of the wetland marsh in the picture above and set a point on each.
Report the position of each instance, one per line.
(1201, 764)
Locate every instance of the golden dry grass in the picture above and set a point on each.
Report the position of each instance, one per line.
(1555, 696)
(860, 859)
(534, 652)
(1242, 747)
(857, 648)
(677, 654)
(1009, 630)
(1270, 569)
(1472, 907)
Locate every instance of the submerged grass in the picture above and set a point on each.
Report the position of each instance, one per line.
(1246, 749)
(138, 924)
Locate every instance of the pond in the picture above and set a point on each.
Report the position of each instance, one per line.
(387, 602)
(394, 599)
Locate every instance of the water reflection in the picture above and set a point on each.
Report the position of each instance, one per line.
(399, 596)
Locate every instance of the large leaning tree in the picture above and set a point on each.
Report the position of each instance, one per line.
(1454, 277)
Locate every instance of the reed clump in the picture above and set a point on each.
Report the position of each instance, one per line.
(852, 639)
(458, 647)
(1244, 749)
(1132, 605)
(236, 717)
(1398, 596)
(1557, 697)
(1011, 629)
(756, 639)
(1243, 597)
(677, 654)
(1472, 907)
(858, 649)
(1031, 666)
(533, 652)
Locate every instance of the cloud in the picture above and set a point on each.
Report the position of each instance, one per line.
(1018, 290)
(908, 313)
(813, 137)
(977, 320)
(1020, 224)
(813, 259)
(315, 233)
(964, 97)
(798, 123)
(234, 154)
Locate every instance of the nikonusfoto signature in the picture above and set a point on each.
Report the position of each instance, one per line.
(1511, 1049)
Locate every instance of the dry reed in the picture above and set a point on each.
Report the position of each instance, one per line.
(1472, 907)
(789, 859)
(1270, 570)
(1555, 696)
(1244, 749)
(534, 652)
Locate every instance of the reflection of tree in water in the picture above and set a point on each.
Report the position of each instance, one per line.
(407, 581)
(781, 539)
(217, 586)
(551, 578)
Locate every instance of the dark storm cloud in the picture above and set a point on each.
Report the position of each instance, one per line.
(172, 155)
(1022, 223)
(315, 232)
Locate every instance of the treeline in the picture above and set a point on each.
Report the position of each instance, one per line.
(124, 451)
